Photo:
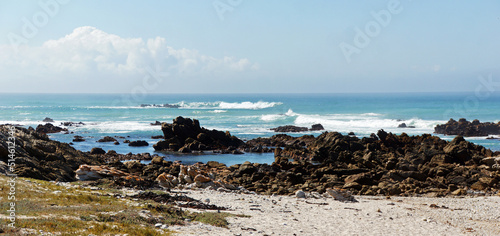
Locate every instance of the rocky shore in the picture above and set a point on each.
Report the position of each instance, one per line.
(382, 164)
(314, 169)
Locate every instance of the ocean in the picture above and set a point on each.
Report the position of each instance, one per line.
(247, 116)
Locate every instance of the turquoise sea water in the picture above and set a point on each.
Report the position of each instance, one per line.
(244, 115)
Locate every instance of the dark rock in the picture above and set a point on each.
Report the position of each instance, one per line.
(138, 143)
(186, 134)
(72, 124)
(97, 150)
(107, 139)
(48, 120)
(157, 137)
(49, 128)
(116, 143)
(403, 125)
(290, 128)
(41, 158)
(185, 150)
(468, 129)
(316, 127)
(156, 123)
(78, 139)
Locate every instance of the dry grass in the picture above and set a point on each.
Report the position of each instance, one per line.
(77, 210)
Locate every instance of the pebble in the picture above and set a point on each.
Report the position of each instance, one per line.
(300, 194)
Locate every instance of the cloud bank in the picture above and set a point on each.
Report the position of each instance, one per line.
(89, 58)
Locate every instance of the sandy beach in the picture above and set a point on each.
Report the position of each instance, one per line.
(288, 215)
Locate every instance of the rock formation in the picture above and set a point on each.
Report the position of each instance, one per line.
(48, 120)
(107, 139)
(185, 135)
(49, 128)
(296, 129)
(467, 128)
(138, 143)
(41, 158)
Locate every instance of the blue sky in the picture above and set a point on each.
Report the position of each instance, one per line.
(234, 46)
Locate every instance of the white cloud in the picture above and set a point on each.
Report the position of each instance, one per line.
(89, 54)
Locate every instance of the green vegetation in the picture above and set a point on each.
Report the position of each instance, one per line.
(77, 210)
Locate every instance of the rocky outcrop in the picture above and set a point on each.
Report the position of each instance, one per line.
(467, 128)
(97, 150)
(403, 125)
(186, 135)
(41, 158)
(296, 129)
(78, 138)
(156, 123)
(281, 140)
(107, 139)
(316, 127)
(290, 129)
(385, 164)
(49, 128)
(72, 124)
(48, 120)
(138, 143)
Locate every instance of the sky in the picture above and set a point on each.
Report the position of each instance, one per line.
(243, 46)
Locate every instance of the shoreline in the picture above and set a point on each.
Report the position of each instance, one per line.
(434, 185)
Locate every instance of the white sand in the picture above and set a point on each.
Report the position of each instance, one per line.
(284, 215)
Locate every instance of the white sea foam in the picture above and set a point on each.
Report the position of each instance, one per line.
(218, 111)
(275, 117)
(365, 123)
(248, 105)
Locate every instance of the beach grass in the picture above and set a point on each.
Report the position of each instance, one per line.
(75, 209)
